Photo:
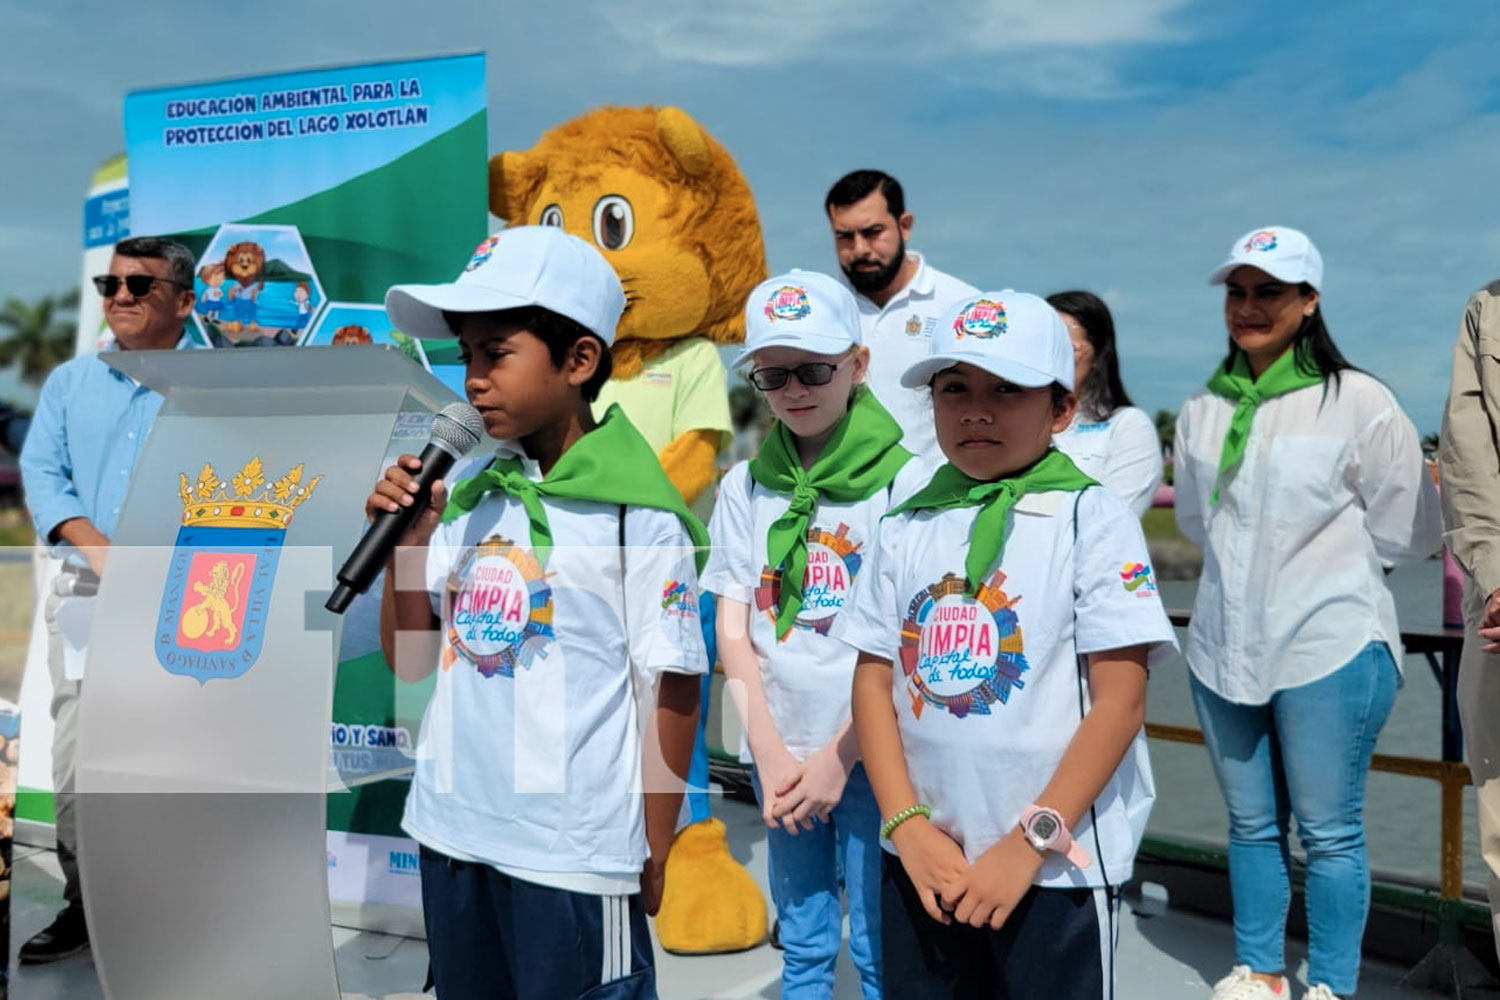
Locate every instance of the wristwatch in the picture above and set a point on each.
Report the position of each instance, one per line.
(1045, 830)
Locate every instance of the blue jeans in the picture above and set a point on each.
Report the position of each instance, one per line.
(804, 876)
(1305, 754)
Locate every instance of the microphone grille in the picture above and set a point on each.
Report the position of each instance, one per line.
(459, 426)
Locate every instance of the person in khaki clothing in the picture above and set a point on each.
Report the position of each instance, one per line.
(1469, 462)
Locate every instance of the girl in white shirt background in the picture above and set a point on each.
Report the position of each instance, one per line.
(791, 530)
(1004, 624)
(1303, 481)
(1108, 438)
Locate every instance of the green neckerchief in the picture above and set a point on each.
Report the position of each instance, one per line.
(951, 488)
(1237, 385)
(860, 459)
(610, 464)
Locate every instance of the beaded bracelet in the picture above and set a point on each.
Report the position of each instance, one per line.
(889, 827)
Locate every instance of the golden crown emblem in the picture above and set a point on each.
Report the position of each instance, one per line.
(247, 500)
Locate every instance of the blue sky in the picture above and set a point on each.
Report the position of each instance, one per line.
(1106, 144)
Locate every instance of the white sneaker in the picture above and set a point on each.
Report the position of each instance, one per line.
(1240, 985)
(1320, 992)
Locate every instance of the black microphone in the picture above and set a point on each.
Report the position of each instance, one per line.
(455, 430)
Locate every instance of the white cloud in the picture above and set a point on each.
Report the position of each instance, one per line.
(854, 32)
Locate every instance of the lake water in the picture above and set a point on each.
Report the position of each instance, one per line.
(1401, 813)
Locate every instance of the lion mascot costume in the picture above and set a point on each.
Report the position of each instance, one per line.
(669, 209)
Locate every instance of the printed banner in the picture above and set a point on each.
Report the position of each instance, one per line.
(304, 196)
(106, 221)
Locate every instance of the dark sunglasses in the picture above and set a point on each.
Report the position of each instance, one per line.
(812, 373)
(138, 285)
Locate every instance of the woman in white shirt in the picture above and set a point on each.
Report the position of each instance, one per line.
(1303, 481)
(1109, 439)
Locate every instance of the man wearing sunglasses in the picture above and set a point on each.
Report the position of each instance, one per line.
(76, 463)
(900, 295)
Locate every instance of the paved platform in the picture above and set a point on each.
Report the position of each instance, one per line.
(1170, 956)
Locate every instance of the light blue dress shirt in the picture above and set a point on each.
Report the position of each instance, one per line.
(85, 437)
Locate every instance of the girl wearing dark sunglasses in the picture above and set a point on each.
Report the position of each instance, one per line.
(790, 531)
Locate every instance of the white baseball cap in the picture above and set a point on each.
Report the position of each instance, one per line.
(1283, 253)
(1012, 335)
(802, 309)
(516, 267)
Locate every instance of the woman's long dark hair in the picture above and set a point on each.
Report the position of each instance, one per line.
(1316, 353)
(1102, 392)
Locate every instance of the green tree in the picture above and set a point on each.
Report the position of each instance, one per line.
(1166, 427)
(748, 409)
(38, 335)
(1166, 431)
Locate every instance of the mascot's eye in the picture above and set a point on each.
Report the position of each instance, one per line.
(614, 222)
(552, 216)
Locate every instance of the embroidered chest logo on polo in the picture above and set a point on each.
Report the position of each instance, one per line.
(962, 654)
(789, 302)
(498, 609)
(1264, 240)
(833, 560)
(982, 318)
(914, 325)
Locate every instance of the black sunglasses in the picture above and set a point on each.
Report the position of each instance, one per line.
(139, 285)
(812, 373)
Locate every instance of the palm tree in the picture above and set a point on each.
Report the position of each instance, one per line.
(41, 334)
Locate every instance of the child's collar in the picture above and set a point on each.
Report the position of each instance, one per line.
(507, 448)
(1044, 504)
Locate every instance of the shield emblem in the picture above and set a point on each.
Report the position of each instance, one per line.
(213, 610)
(218, 588)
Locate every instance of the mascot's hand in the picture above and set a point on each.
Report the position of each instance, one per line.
(688, 461)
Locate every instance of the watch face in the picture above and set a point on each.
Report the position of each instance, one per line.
(1044, 827)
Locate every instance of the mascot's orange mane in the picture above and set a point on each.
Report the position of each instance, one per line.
(692, 247)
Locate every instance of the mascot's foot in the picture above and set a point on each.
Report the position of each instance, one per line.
(711, 903)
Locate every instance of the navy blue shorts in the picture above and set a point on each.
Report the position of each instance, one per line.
(493, 937)
(1058, 944)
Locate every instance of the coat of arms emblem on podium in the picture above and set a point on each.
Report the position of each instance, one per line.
(218, 589)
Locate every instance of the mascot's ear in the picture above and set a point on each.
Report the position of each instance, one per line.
(684, 139)
(513, 180)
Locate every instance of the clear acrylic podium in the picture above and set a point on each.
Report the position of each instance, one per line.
(204, 722)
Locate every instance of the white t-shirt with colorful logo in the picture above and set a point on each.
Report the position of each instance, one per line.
(529, 757)
(987, 688)
(807, 676)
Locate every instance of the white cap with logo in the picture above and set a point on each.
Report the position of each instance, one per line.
(516, 267)
(1283, 253)
(802, 309)
(1012, 335)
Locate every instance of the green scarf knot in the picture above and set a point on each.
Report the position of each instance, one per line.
(861, 458)
(951, 488)
(1235, 383)
(610, 464)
